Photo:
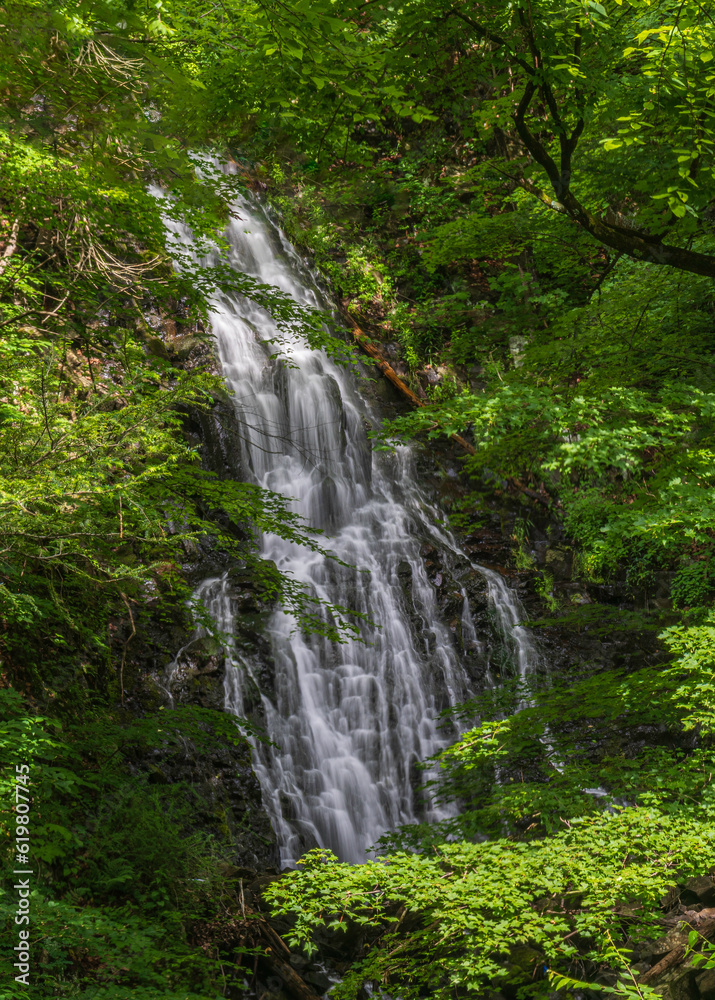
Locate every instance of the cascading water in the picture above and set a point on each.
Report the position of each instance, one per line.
(349, 721)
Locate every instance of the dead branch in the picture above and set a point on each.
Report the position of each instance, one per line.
(392, 376)
(124, 650)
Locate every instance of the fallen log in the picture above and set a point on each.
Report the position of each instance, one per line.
(296, 986)
(543, 498)
(268, 947)
(274, 940)
(387, 370)
(671, 959)
(391, 375)
(674, 957)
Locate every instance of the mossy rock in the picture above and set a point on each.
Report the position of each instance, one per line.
(560, 561)
(525, 958)
(151, 695)
(184, 346)
(205, 690)
(156, 347)
(524, 965)
(205, 648)
(705, 983)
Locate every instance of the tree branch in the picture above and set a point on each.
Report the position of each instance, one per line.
(629, 242)
(638, 245)
(489, 36)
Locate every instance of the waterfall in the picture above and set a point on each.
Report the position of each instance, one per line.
(349, 721)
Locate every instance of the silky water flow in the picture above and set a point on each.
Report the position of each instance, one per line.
(349, 721)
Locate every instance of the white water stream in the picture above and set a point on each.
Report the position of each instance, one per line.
(350, 721)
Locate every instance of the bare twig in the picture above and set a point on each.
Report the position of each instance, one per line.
(124, 650)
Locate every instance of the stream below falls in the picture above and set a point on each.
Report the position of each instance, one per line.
(349, 721)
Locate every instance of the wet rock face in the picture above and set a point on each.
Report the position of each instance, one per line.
(559, 560)
(487, 532)
(197, 675)
(218, 435)
(198, 678)
(223, 792)
(220, 786)
(705, 984)
(455, 580)
(162, 627)
(165, 664)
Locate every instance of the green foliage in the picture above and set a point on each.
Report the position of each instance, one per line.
(101, 493)
(694, 646)
(619, 88)
(476, 903)
(566, 860)
(692, 585)
(626, 986)
(624, 448)
(121, 874)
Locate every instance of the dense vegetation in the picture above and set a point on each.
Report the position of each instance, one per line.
(518, 204)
